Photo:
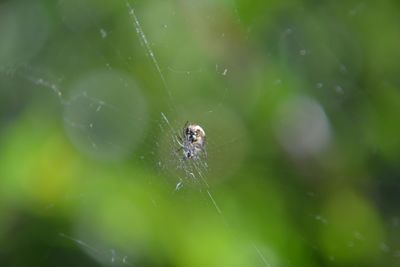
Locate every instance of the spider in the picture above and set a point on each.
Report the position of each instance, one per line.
(192, 141)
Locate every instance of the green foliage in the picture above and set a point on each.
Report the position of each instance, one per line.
(300, 104)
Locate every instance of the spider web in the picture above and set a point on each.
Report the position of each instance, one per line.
(189, 171)
(89, 109)
(147, 129)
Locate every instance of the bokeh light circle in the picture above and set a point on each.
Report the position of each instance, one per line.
(106, 115)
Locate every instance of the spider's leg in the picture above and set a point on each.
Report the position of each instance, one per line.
(179, 140)
(184, 128)
(179, 149)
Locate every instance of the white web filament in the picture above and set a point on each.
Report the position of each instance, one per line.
(145, 44)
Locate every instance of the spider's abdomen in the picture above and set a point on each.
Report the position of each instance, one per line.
(194, 143)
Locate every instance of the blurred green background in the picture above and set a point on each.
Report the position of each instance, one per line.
(299, 99)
